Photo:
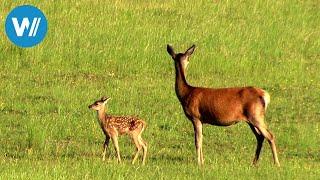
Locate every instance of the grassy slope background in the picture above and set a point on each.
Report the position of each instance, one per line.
(118, 48)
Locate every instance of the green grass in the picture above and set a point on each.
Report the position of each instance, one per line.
(118, 48)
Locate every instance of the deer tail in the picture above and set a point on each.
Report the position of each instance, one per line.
(266, 99)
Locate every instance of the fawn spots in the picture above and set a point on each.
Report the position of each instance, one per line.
(123, 123)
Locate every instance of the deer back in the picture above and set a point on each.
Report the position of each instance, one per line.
(123, 124)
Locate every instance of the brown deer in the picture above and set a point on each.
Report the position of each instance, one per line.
(221, 107)
(113, 126)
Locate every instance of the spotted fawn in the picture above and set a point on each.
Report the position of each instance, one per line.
(114, 126)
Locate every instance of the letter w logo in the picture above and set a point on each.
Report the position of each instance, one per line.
(25, 25)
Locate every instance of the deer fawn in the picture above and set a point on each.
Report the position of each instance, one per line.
(221, 107)
(113, 126)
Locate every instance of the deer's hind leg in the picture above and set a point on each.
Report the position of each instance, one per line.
(256, 114)
(144, 147)
(262, 128)
(138, 147)
(140, 143)
(260, 139)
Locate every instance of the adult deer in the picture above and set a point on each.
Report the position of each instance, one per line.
(221, 107)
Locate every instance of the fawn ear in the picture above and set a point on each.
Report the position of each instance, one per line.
(171, 51)
(105, 99)
(190, 50)
(108, 98)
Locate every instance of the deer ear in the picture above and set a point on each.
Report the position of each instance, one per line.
(104, 98)
(171, 51)
(190, 50)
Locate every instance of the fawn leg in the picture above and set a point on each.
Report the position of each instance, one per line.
(116, 146)
(144, 147)
(138, 146)
(105, 147)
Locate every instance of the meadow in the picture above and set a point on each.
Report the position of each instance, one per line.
(118, 48)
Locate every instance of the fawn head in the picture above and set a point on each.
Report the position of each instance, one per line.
(182, 58)
(99, 104)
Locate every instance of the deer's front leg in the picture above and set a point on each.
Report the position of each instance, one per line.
(116, 146)
(197, 125)
(105, 147)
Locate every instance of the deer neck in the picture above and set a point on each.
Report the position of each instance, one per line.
(102, 117)
(181, 86)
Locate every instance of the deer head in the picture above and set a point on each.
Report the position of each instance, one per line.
(181, 58)
(98, 105)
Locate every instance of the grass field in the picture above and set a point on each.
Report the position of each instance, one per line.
(118, 48)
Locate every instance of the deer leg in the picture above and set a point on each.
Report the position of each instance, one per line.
(116, 146)
(144, 147)
(197, 125)
(105, 147)
(260, 139)
(138, 146)
(271, 140)
(201, 153)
